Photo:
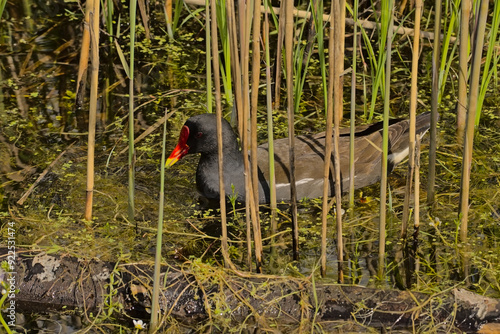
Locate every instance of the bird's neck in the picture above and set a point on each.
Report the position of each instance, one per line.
(207, 175)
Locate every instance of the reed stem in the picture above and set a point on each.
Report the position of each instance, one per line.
(255, 96)
(339, 21)
(220, 155)
(155, 306)
(291, 121)
(353, 108)
(477, 51)
(131, 149)
(270, 136)
(431, 179)
(388, 7)
(413, 114)
(94, 83)
(463, 69)
(328, 139)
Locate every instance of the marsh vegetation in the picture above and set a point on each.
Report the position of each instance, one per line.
(46, 95)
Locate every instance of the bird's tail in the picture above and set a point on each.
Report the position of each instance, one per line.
(423, 123)
(399, 148)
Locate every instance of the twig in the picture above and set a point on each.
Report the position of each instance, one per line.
(149, 130)
(40, 178)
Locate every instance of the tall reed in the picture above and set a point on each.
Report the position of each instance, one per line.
(131, 149)
(416, 215)
(463, 74)
(301, 59)
(413, 113)
(155, 306)
(218, 111)
(328, 138)
(291, 123)
(449, 44)
(94, 18)
(339, 28)
(353, 106)
(279, 51)
(317, 13)
(436, 50)
(387, 21)
(108, 15)
(208, 55)
(270, 136)
(254, 101)
(84, 57)
(491, 61)
(225, 68)
(240, 66)
(477, 51)
(249, 135)
(377, 63)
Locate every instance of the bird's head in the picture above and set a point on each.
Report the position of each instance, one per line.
(199, 135)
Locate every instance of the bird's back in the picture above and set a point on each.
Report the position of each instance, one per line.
(309, 158)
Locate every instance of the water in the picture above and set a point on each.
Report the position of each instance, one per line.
(39, 121)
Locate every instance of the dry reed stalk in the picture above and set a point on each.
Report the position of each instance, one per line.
(235, 66)
(94, 83)
(84, 56)
(255, 97)
(339, 41)
(251, 119)
(252, 204)
(328, 137)
(477, 51)
(242, 103)
(413, 115)
(269, 100)
(220, 155)
(144, 17)
(168, 15)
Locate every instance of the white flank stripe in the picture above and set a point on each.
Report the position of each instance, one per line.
(397, 157)
(298, 183)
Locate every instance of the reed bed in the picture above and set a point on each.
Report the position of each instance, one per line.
(261, 63)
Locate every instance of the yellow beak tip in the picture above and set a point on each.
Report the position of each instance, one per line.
(170, 162)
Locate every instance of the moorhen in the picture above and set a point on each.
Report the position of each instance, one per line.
(198, 135)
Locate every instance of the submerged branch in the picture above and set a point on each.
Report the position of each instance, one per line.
(195, 291)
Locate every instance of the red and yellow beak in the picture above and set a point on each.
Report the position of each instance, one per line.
(181, 149)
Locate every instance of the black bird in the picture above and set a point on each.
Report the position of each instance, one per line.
(198, 135)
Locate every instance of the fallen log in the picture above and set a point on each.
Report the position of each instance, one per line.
(197, 291)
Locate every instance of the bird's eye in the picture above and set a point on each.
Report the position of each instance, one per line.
(199, 134)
